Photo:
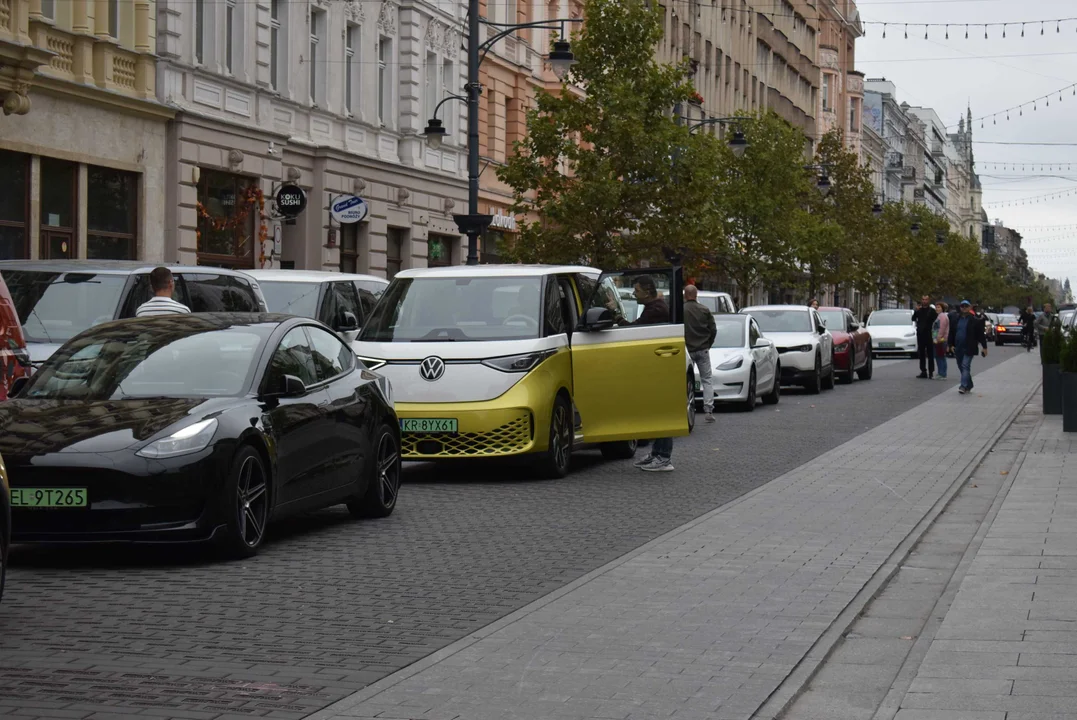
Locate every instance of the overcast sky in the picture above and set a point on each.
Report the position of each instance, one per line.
(990, 76)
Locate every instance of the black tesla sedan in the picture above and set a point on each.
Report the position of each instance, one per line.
(197, 427)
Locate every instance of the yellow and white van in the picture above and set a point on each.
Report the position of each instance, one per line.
(507, 360)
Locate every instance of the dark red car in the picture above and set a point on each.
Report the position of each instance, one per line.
(14, 359)
(852, 343)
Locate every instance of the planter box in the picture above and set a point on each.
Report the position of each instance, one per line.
(1052, 390)
(1069, 402)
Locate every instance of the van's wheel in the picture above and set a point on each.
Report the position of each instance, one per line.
(691, 401)
(383, 479)
(622, 450)
(247, 507)
(557, 458)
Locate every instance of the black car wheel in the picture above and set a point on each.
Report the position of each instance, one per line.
(691, 401)
(847, 378)
(382, 487)
(248, 501)
(814, 385)
(775, 393)
(865, 372)
(622, 450)
(749, 402)
(558, 456)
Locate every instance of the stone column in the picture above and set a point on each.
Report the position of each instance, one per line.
(100, 19)
(82, 62)
(80, 19)
(142, 26)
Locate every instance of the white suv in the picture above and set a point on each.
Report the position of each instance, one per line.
(805, 346)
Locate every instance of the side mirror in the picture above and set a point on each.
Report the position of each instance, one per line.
(287, 386)
(762, 343)
(17, 386)
(821, 329)
(347, 322)
(598, 318)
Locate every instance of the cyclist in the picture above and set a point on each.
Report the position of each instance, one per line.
(1028, 324)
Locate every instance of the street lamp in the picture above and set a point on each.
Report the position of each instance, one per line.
(823, 185)
(738, 143)
(561, 60)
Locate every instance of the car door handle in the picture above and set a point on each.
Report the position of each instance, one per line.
(667, 351)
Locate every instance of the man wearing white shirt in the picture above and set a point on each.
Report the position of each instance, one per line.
(161, 303)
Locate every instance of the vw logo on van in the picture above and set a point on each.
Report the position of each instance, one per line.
(431, 369)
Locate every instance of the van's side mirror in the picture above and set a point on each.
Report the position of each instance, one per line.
(347, 322)
(598, 318)
(287, 386)
(17, 386)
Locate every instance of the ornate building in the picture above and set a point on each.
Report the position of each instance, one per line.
(841, 95)
(332, 96)
(82, 140)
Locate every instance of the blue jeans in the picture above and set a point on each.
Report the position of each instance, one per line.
(965, 363)
(940, 364)
(663, 448)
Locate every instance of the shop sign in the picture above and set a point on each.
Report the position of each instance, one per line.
(503, 222)
(291, 200)
(347, 209)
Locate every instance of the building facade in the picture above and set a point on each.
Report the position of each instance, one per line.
(885, 118)
(841, 88)
(82, 138)
(332, 96)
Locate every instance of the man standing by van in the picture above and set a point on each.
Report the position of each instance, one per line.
(161, 303)
(699, 333)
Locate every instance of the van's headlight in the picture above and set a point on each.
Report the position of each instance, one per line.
(732, 363)
(186, 440)
(371, 363)
(518, 363)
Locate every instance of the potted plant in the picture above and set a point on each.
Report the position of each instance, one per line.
(1052, 375)
(1068, 364)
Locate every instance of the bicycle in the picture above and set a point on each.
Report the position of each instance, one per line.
(1028, 339)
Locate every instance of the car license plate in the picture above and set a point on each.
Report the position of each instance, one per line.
(48, 497)
(428, 425)
(887, 344)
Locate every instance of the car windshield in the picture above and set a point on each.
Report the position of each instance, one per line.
(291, 298)
(54, 307)
(448, 309)
(710, 302)
(772, 321)
(890, 317)
(834, 319)
(178, 356)
(1007, 320)
(730, 331)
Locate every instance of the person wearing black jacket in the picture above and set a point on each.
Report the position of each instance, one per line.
(924, 318)
(966, 336)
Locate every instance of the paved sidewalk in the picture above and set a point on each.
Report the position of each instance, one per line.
(1007, 649)
(709, 620)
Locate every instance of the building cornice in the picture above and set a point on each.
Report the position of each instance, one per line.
(103, 98)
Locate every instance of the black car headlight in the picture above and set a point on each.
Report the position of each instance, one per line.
(518, 363)
(190, 439)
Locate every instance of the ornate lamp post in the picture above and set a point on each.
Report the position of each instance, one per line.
(738, 143)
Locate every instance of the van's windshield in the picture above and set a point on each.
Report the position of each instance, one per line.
(54, 307)
(448, 309)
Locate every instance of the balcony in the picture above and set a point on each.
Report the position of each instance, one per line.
(908, 176)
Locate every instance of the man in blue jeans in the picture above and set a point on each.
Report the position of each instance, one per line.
(967, 335)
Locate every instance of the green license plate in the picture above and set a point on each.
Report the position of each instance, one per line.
(428, 425)
(887, 344)
(48, 497)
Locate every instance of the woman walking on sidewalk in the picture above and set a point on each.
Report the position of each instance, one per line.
(940, 335)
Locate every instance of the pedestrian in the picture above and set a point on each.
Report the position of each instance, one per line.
(813, 304)
(1028, 327)
(940, 335)
(1044, 321)
(163, 285)
(924, 318)
(699, 334)
(867, 315)
(965, 336)
(655, 312)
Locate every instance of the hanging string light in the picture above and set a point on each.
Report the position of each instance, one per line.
(1020, 108)
(1002, 26)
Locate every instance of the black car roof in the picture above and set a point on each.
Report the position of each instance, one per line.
(221, 320)
(109, 267)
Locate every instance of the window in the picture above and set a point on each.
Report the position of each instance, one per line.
(439, 251)
(430, 84)
(229, 34)
(826, 91)
(291, 298)
(111, 214)
(394, 248)
(317, 50)
(114, 18)
(276, 11)
(492, 241)
(349, 247)
(332, 358)
(48, 9)
(854, 115)
(385, 73)
(554, 311)
(368, 296)
(352, 67)
(448, 87)
(199, 31)
(141, 291)
(14, 205)
(55, 307)
(226, 237)
(340, 297)
(59, 209)
(293, 357)
(209, 292)
(771, 321)
(753, 333)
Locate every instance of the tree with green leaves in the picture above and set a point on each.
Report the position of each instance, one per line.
(610, 173)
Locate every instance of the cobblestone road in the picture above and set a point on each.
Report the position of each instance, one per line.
(332, 605)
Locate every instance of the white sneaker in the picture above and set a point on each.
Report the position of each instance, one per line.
(710, 418)
(645, 460)
(658, 465)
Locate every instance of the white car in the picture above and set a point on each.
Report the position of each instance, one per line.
(340, 300)
(805, 347)
(892, 332)
(716, 302)
(743, 362)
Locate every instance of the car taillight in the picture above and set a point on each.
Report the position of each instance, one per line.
(1001, 329)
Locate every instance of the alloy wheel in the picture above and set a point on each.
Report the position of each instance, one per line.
(253, 502)
(388, 470)
(561, 435)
